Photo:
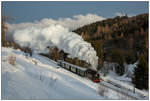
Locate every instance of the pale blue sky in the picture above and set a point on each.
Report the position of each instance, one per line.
(31, 11)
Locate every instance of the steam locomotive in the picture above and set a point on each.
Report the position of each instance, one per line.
(84, 72)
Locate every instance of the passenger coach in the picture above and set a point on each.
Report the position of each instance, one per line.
(84, 72)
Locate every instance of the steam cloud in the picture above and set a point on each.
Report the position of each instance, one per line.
(41, 34)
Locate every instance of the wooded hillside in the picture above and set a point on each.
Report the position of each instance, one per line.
(125, 35)
(121, 39)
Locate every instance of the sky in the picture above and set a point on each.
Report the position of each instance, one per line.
(30, 11)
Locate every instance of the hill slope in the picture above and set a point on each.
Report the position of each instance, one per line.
(124, 35)
(39, 78)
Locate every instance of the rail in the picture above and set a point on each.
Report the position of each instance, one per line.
(119, 91)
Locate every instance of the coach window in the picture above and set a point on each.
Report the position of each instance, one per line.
(63, 64)
(67, 66)
(78, 71)
(82, 73)
(73, 69)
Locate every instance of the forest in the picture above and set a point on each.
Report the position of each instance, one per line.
(123, 40)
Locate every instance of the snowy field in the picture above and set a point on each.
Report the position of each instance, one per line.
(37, 77)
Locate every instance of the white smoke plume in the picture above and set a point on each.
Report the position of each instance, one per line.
(47, 32)
(38, 39)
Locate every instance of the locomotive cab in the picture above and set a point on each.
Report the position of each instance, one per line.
(96, 78)
(93, 75)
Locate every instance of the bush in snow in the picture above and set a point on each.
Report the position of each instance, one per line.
(122, 96)
(12, 59)
(52, 81)
(35, 62)
(102, 90)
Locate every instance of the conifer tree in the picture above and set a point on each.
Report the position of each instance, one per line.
(140, 78)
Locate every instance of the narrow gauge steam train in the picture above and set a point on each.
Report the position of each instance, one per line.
(84, 72)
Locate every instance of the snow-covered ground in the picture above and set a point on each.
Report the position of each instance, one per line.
(38, 77)
(125, 81)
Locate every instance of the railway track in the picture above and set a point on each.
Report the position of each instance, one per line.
(119, 86)
(119, 90)
(132, 91)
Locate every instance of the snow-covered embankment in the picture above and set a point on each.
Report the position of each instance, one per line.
(38, 78)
